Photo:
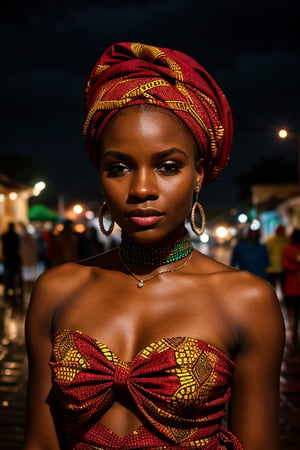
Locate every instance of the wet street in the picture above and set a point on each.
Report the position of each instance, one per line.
(13, 376)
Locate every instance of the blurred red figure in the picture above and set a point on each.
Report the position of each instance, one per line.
(291, 265)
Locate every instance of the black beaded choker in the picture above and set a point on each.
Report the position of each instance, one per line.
(158, 255)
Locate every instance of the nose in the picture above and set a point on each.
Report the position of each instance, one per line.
(143, 185)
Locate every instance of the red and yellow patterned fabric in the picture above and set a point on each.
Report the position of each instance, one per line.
(133, 73)
(179, 385)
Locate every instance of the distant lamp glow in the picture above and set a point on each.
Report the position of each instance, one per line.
(13, 195)
(232, 231)
(58, 229)
(79, 228)
(204, 238)
(282, 134)
(30, 229)
(78, 209)
(38, 188)
(2, 197)
(40, 185)
(221, 232)
(90, 215)
(255, 225)
(242, 218)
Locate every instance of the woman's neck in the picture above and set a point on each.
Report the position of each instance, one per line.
(158, 254)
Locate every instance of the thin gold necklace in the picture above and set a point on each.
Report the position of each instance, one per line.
(144, 280)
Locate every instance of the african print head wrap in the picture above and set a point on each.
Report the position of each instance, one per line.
(132, 73)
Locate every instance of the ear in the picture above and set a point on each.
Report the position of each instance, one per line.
(199, 174)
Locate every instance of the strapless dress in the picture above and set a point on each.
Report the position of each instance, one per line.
(178, 386)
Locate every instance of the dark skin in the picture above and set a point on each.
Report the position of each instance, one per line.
(148, 160)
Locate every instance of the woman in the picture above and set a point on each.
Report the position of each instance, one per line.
(291, 287)
(146, 341)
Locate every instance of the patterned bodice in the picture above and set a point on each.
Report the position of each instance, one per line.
(179, 385)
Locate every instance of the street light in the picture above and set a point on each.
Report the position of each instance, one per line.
(13, 195)
(38, 188)
(242, 218)
(283, 134)
(78, 209)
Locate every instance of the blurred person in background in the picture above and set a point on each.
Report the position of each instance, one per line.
(13, 281)
(95, 244)
(47, 250)
(28, 254)
(251, 254)
(275, 246)
(66, 245)
(291, 266)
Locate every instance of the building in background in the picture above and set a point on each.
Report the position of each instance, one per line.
(14, 201)
(276, 204)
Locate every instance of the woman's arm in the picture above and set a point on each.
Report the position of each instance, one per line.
(40, 429)
(253, 414)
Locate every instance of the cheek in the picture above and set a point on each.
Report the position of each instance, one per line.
(112, 193)
(181, 196)
(115, 194)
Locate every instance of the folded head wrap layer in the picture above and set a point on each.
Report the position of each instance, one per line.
(133, 73)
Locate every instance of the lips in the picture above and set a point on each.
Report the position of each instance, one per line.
(145, 217)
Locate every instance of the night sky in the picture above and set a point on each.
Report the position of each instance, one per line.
(49, 48)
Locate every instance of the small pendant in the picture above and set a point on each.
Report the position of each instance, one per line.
(141, 284)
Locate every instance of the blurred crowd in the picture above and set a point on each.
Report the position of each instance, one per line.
(278, 261)
(26, 252)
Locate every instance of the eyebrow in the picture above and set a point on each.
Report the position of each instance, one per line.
(158, 155)
(169, 152)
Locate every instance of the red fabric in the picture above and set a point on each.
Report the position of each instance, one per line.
(179, 385)
(133, 73)
(292, 270)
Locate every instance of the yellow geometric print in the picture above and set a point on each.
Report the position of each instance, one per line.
(109, 355)
(147, 52)
(71, 362)
(179, 385)
(196, 367)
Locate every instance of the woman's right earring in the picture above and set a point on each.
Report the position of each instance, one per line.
(195, 229)
(104, 211)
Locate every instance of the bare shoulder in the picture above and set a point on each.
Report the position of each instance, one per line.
(239, 288)
(254, 308)
(60, 284)
(64, 280)
(248, 302)
(56, 283)
(246, 289)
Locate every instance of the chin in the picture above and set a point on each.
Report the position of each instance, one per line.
(152, 236)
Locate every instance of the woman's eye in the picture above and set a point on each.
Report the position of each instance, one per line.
(169, 168)
(117, 169)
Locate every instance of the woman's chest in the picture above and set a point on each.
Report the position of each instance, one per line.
(128, 320)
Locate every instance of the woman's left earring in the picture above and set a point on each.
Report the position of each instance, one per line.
(104, 213)
(197, 205)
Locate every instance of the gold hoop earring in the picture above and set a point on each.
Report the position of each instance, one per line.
(104, 211)
(196, 230)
